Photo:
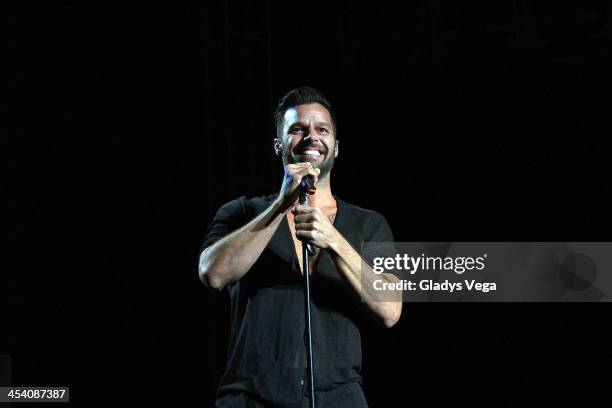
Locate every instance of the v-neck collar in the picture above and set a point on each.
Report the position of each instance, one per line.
(285, 238)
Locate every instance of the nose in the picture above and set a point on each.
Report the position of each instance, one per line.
(311, 136)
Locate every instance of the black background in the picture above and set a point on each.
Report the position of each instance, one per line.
(129, 124)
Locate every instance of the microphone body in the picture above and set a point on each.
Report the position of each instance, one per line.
(307, 185)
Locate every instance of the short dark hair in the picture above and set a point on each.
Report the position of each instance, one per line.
(301, 96)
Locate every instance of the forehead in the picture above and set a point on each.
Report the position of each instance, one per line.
(312, 112)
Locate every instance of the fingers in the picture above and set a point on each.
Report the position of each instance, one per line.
(305, 218)
(305, 235)
(305, 209)
(304, 213)
(299, 170)
(290, 188)
(315, 174)
(305, 226)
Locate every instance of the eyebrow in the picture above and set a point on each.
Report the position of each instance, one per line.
(304, 125)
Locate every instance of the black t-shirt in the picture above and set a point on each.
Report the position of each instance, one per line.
(266, 354)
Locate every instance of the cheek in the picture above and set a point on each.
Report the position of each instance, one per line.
(291, 142)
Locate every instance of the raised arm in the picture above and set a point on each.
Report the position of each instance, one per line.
(228, 259)
(314, 227)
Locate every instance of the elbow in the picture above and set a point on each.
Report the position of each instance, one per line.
(209, 280)
(208, 276)
(393, 315)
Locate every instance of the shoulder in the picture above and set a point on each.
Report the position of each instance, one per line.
(367, 225)
(260, 203)
(370, 225)
(246, 206)
(233, 215)
(358, 214)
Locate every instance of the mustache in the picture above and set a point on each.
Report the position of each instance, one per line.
(308, 145)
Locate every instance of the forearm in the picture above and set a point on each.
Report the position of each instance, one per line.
(387, 307)
(228, 259)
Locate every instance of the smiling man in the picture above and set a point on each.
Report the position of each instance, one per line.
(253, 249)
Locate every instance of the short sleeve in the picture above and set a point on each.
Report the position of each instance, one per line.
(379, 242)
(228, 218)
(378, 229)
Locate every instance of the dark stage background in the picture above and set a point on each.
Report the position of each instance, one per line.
(129, 124)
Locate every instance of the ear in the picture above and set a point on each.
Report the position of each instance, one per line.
(336, 149)
(278, 147)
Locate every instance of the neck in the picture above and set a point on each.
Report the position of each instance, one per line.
(323, 197)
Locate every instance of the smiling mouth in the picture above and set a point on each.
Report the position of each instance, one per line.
(309, 152)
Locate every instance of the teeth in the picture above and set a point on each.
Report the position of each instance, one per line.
(312, 152)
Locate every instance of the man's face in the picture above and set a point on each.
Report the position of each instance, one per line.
(307, 135)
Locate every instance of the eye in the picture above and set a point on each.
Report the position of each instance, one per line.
(323, 130)
(295, 129)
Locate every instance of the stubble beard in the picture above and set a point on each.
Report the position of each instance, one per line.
(325, 166)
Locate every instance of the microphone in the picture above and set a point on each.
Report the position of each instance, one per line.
(307, 185)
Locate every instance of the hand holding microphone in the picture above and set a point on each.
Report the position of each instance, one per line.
(307, 186)
(298, 176)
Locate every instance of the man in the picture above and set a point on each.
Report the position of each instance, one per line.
(254, 249)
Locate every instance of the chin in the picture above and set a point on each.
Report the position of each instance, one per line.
(316, 161)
